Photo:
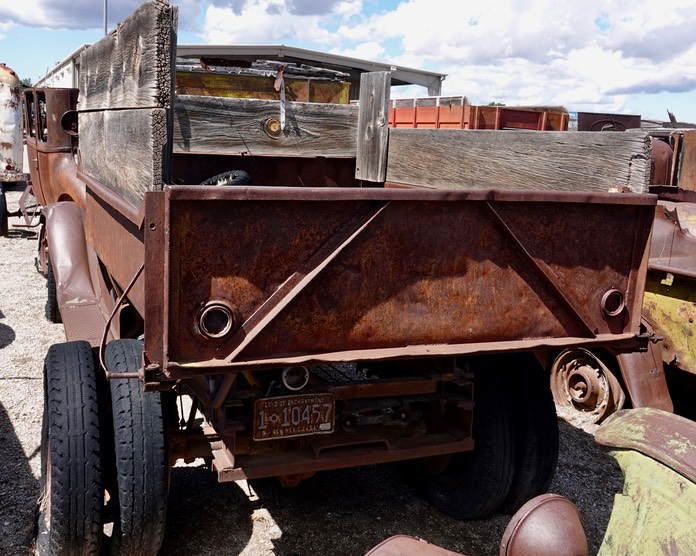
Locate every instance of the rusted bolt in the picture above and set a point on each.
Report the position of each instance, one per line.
(272, 127)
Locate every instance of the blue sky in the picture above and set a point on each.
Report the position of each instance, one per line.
(625, 56)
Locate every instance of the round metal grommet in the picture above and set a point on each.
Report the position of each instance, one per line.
(215, 320)
(613, 302)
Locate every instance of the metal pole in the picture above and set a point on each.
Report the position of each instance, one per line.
(105, 18)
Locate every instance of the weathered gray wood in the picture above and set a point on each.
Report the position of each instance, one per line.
(216, 125)
(126, 87)
(548, 160)
(132, 66)
(373, 127)
(125, 149)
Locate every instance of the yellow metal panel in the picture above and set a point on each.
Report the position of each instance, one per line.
(655, 513)
(670, 307)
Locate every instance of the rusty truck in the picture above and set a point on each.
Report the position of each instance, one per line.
(284, 287)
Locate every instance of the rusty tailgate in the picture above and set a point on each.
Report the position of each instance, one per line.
(334, 274)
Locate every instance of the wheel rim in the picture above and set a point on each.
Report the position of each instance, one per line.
(580, 381)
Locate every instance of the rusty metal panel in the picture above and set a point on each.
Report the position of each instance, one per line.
(657, 454)
(402, 545)
(670, 296)
(667, 438)
(595, 121)
(654, 514)
(674, 239)
(51, 151)
(271, 276)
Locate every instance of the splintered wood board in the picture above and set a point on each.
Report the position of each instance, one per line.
(542, 160)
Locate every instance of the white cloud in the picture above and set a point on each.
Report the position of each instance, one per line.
(592, 53)
(370, 50)
(4, 27)
(271, 22)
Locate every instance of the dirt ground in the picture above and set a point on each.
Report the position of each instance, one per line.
(339, 513)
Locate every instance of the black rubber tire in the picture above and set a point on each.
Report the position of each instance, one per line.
(474, 484)
(52, 309)
(4, 226)
(69, 520)
(142, 466)
(232, 177)
(536, 424)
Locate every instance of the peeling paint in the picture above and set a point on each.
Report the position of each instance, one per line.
(671, 311)
(11, 134)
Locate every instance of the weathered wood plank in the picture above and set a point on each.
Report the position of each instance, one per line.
(686, 173)
(216, 125)
(133, 65)
(549, 160)
(373, 127)
(125, 150)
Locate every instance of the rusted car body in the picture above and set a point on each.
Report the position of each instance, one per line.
(11, 138)
(311, 327)
(11, 135)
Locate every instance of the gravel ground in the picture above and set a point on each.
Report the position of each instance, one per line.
(343, 512)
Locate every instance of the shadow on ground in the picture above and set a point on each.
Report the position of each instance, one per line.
(346, 512)
(18, 492)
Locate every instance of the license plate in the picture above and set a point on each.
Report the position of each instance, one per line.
(289, 416)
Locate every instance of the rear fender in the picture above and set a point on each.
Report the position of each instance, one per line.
(75, 267)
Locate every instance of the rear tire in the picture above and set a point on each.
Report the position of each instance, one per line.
(142, 466)
(536, 424)
(52, 309)
(4, 226)
(70, 507)
(474, 484)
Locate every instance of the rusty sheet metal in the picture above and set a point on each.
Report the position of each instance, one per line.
(338, 451)
(644, 376)
(665, 437)
(670, 294)
(655, 512)
(547, 525)
(403, 545)
(673, 243)
(75, 264)
(282, 275)
(50, 149)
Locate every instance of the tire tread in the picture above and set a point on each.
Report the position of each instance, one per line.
(141, 456)
(72, 432)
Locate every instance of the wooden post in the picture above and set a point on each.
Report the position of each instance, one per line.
(125, 103)
(373, 129)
